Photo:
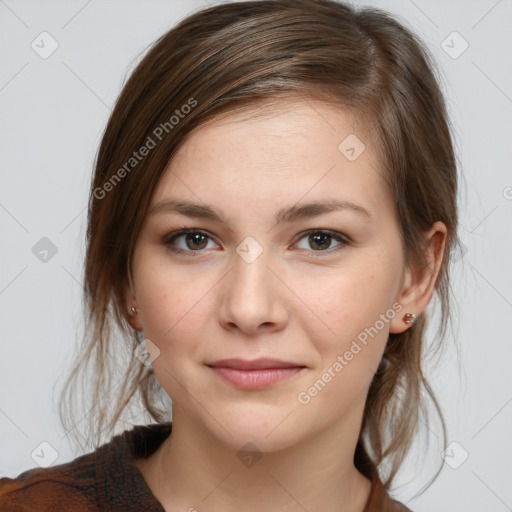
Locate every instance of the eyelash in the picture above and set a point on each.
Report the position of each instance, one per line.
(170, 239)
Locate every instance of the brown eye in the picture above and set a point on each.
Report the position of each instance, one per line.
(195, 241)
(187, 241)
(322, 241)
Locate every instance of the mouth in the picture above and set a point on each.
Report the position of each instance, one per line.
(255, 374)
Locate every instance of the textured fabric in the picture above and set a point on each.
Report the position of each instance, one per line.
(108, 480)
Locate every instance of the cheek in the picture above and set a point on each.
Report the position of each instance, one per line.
(356, 305)
(173, 311)
(353, 307)
(173, 303)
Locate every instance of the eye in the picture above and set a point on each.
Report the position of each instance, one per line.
(320, 240)
(187, 240)
(194, 241)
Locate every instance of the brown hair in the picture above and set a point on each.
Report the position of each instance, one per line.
(237, 55)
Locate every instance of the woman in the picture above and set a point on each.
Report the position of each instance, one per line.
(272, 210)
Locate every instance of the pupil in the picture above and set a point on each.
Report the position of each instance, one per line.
(320, 239)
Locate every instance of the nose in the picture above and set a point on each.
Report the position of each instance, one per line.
(253, 298)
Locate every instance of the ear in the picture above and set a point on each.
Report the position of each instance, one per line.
(419, 281)
(131, 302)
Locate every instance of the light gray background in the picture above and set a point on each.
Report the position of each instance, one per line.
(53, 113)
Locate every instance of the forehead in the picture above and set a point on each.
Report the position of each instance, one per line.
(297, 113)
(284, 149)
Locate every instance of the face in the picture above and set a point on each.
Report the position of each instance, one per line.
(260, 274)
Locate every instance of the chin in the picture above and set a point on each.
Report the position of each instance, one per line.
(267, 432)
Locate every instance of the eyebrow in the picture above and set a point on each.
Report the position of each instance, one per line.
(285, 215)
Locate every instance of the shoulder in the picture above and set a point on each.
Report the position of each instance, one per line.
(388, 504)
(396, 506)
(106, 478)
(69, 486)
(380, 500)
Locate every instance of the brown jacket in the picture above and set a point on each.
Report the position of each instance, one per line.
(107, 479)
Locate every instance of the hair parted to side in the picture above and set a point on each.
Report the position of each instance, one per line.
(237, 55)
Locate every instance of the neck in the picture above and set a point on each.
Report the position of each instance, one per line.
(192, 471)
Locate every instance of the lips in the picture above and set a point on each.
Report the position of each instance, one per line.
(256, 364)
(256, 374)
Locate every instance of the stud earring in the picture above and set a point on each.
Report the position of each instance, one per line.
(134, 311)
(409, 318)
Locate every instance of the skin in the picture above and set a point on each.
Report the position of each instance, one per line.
(295, 302)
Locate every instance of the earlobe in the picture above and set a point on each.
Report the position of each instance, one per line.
(131, 306)
(402, 322)
(420, 280)
(134, 318)
(409, 318)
